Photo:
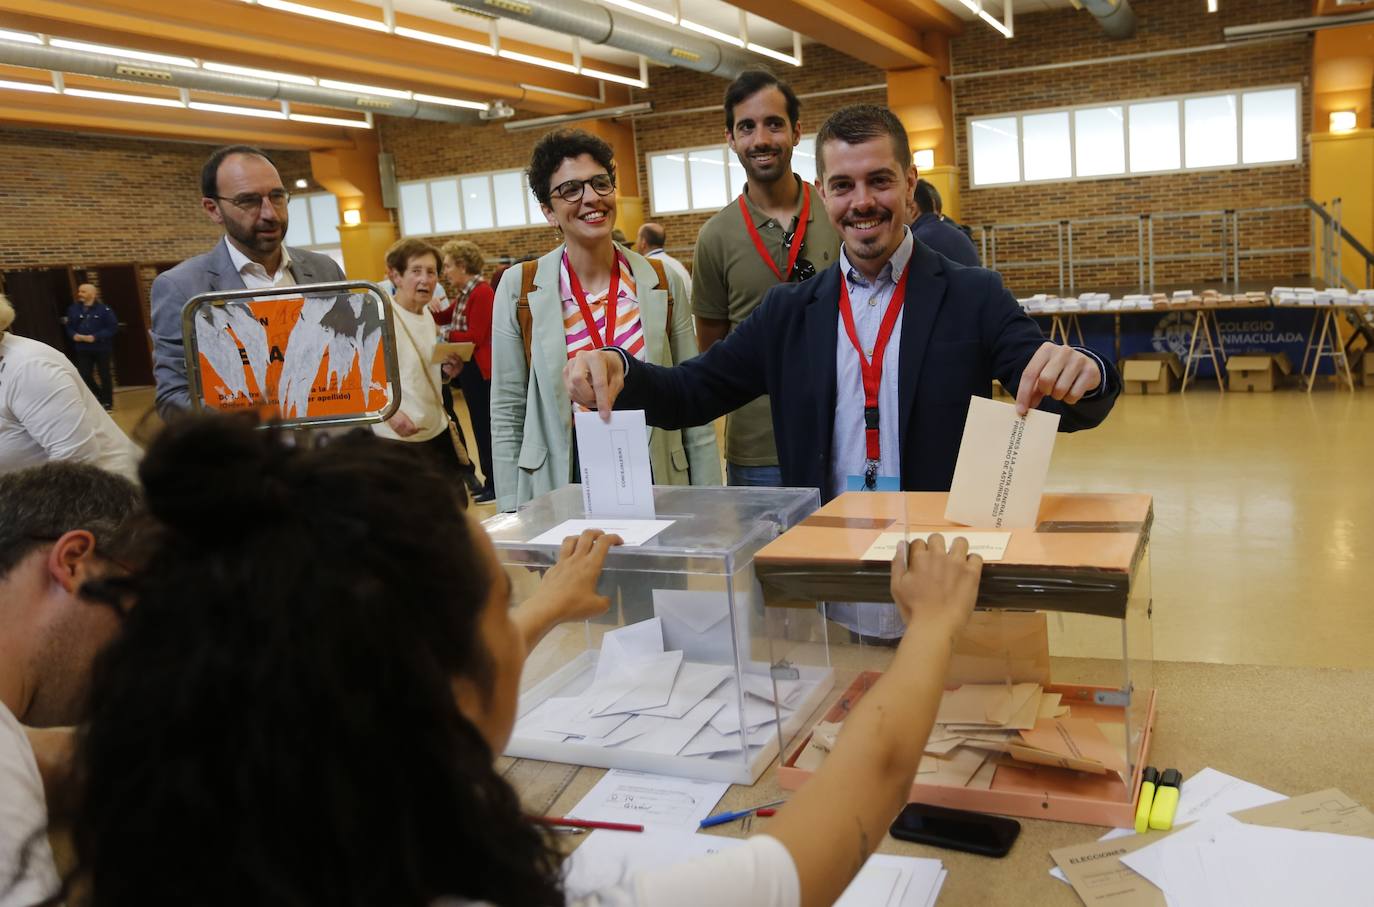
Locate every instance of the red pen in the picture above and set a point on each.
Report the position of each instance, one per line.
(765, 812)
(565, 822)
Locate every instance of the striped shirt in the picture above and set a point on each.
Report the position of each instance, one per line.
(629, 332)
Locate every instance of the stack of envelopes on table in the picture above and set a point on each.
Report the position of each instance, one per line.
(644, 698)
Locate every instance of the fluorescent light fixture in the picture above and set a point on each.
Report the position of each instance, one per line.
(537, 61)
(445, 40)
(711, 32)
(449, 102)
(237, 111)
(21, 37)
(165, 59)
(330, 121)
(120, 96)
(770, 52)
(612, 77)
(329, 15)
(994, 22)
(27, 86)
(365, 89)
(258, 73)
(924, 159)
(352, 217)
(645, 10)
(1343, 121)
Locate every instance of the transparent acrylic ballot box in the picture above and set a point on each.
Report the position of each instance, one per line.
(674, 678)
(1049, 698)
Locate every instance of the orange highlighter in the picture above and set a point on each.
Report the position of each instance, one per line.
(1147, 799)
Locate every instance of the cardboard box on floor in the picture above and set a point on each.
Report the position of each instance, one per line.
(1151, 373)
(1257, 371)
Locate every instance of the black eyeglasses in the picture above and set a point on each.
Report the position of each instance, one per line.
(252, 201)
(572, 191)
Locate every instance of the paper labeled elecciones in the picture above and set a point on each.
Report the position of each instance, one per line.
(1003, 461)
(614, 456)
(990, 546)
(633, 533)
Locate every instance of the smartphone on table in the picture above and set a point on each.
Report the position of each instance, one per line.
(956, 829)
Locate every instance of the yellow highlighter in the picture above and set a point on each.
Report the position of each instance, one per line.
(1147, 799)
(1166, 800)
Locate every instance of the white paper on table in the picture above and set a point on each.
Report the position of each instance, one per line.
(698, 623)
(614, 457)
(608, 858)
(872, 887)
(935, 890)
(1212, 793)
(1003, 462)
(1259, 866)
(1174, 864)
(694, 683)
(667, 736)
(924, 876)
(633, 533)
(990, 546)
(654, 801)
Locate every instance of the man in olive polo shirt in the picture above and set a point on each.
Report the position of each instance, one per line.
(776, 231)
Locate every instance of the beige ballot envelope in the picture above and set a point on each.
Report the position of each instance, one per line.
(1002, 646)
(443, 349)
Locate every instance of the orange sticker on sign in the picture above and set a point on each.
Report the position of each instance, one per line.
(294, 357)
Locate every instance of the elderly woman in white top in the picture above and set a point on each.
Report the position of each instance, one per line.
(48, 413)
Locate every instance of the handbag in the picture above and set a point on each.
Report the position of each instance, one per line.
(455, 435)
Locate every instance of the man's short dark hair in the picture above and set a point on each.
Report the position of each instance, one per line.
(751, 82)
(927, 197)
(209, 174)
(654, 235)
(859, 123)
(553, 149)
(38, 505)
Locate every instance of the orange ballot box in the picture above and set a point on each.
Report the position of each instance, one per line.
(1049, 699)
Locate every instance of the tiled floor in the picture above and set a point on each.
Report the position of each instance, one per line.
(1264, 518)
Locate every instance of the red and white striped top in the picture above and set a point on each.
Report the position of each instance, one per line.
(629, 331)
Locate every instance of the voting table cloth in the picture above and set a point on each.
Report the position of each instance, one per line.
(675, 678)
(1049, 698)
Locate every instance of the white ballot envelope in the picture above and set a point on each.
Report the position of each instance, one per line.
(698, 623)
(614, 456)
(1003, 462)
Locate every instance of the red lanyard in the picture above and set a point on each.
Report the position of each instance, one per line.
(612, 297)
(872, 370)
(797, 238)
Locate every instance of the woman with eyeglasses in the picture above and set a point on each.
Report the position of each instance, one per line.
(587, 293)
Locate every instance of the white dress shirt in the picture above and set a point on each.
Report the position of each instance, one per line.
(255, 276)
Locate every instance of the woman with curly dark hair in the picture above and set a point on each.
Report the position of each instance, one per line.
(307, 697)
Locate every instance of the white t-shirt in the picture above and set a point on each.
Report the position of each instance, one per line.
(757, 873)
(420, 380)
(48, 413)
(23, 811)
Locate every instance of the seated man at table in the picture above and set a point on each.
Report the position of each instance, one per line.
(871, 365)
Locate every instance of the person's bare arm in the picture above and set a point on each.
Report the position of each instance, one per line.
(568, 590)
(710, 331)
(832, 825)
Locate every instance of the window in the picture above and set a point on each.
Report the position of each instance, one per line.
(312, 220)
(708, 178)
(466, 203)
(1154, 135)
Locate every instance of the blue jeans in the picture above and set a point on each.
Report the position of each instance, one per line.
(765, 476)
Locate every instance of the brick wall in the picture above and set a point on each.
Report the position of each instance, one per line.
(1060, 36)
(423, 149)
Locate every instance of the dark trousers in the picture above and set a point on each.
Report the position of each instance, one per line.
(87, 363)
(477, 393)
(469, 472)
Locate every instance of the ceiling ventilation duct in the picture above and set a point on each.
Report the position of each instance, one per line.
(599, 25)
(1115, 16)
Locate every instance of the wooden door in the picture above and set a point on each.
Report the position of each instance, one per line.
(40, 297)
(133, 358)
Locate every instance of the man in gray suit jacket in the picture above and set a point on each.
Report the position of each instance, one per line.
(242, 192)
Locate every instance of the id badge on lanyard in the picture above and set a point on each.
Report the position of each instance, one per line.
(871, 371)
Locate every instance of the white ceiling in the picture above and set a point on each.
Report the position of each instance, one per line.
(712, 13)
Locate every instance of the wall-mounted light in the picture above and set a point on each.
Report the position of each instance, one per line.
(1343, 121)
(352, 217)
(301, 184)
(924, 159)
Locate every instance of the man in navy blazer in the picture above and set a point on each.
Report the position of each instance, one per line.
(955, 330)
(242, 192)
